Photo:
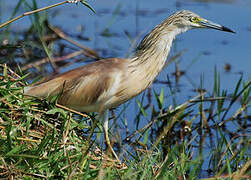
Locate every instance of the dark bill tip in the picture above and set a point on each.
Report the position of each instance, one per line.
(212, 25)
(227, 29)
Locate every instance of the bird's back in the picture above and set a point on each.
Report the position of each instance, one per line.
(87, 88)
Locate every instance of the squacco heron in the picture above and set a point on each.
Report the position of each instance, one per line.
(107, 83)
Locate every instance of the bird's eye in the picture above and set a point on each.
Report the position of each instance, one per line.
(193, 19)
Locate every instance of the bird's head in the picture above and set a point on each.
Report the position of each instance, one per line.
(189, 20)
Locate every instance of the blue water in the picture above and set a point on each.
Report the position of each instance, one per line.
(204, 49)
(217, 48)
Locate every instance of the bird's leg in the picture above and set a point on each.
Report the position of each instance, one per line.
(73, 1)
(105, 118)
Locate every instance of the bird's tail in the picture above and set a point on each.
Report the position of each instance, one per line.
(41, 90)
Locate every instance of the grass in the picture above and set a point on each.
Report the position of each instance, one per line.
(206, 137)
(40, 140)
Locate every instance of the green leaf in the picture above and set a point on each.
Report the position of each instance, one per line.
(15, 150)
(141, 108)
(159, 98)
(87, 5)
(56, 110)
(236, 89)
(146, 137)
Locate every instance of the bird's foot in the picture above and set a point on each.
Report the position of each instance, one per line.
(73, 1)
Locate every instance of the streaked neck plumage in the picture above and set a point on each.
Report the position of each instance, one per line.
(151, 54)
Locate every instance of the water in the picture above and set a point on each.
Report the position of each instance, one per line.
(212, 47)
(205, 50)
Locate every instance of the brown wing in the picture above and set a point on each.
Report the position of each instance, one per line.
(82, 88)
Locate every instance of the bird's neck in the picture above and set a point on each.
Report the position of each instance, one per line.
(151, 54)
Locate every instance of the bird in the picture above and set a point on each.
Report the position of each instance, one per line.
(108, 83)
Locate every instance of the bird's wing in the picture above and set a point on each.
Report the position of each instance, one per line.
(86, 86)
